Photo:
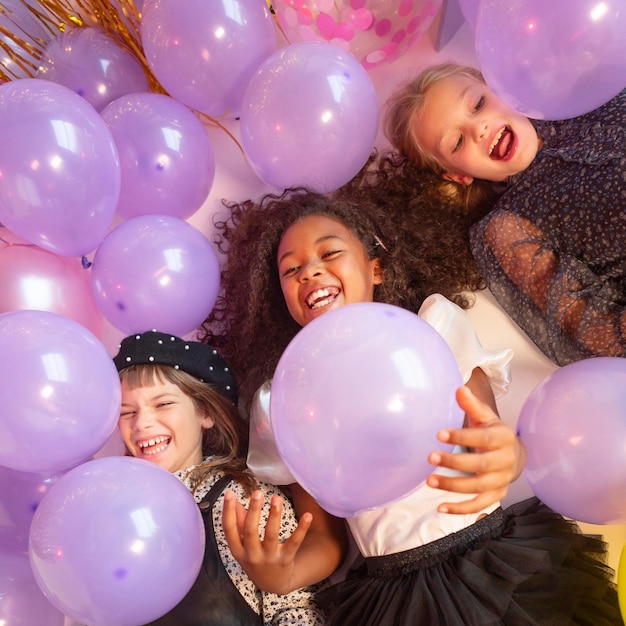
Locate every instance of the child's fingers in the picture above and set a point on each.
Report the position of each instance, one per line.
(230, 524)
(272, 526)
(291, 546)
(473, 505)
(477, 411)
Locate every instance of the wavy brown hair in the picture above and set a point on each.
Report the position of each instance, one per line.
(422, 246)
(224, 444)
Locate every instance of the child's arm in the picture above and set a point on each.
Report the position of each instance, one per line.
(498, 455)
(314, 551)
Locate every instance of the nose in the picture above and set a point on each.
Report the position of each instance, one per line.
(480, 130)
(311, 270)
(144, 418)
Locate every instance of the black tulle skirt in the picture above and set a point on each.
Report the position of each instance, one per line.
(522, 566)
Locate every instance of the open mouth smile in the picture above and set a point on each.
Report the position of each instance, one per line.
(150, 447)
(321, 297)
(501, 147)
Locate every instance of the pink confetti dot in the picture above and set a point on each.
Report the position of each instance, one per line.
(362, 19)
(357, 4)
(405, 8)
(383, 27)
(305, 16)
(326, 25)
(344, 31)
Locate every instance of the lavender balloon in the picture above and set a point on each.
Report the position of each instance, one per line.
(309, 117)
(155, 271)
(552, 60)
(60, 168)
(574, 427)
(357, 400)
(20, 495)
(166, 158)
(94, 65)
(60, 389)
(204, 53)
(116, 542)
(21, 601)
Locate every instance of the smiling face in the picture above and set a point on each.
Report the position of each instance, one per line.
(472, 133)
(322, 265)
(160, 424)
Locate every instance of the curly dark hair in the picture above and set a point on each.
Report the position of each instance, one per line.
(394, 210)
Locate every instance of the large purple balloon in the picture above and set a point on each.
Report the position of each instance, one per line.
(309, 117)
(20, 495)
(59, 167)
(204, 53)
(552, 60)
(357, 400)
(166, 157)
(21, 601)
(60, 392)
(33, 278)
(155, 272)
(116, 542)
(574, 427)
(95, 66)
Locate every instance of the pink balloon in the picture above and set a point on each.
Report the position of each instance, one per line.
(20, 495)
(166, 158)
(116, 541)
(374, 31)
(155, 272)
(552, 60)
(21, 601)
(61, 392)
(59, 167)
(33, 278)
(357, 400)
(574, 427)
(92, 64)
(309, 117)
(204, 53)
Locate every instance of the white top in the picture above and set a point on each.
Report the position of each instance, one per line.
(413, 520)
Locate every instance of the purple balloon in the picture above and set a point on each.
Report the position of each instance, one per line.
(552, 60)
(309, 117)
(116, 542)
(21, 601)
(204, 53)
(16, 60)
(166, 156)
(574, 427)
(20, 495)
(61, 392)
(60, 168)
(357, 400)
(92, 64)
(155, 272)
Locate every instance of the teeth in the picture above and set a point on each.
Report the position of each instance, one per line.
(495, 141)
(152, 442)
(321, 297)
(154, 451)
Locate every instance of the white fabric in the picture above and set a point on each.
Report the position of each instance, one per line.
(414, 520)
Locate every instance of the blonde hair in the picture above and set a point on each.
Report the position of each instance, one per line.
(405, 106)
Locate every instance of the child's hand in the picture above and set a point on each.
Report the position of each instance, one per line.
(269, 563)
(497, 459)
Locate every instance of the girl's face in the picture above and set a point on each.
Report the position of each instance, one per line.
(322, 265)
(472, 133)
(160, 424)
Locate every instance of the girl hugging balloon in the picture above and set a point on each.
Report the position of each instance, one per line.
(433, 557)
(179, 412)
(552, 246)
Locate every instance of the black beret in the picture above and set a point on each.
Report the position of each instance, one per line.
(197, 359)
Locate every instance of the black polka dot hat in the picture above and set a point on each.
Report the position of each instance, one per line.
(195, 358)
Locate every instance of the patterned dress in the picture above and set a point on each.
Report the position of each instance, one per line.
(553, 250)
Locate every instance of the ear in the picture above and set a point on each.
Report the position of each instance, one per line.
(462, 179)
(377, 272)
(207, 422)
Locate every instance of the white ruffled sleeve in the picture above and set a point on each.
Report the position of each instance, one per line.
(264, 461)
(455, 326)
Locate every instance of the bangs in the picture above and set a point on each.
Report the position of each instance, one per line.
(146, 375)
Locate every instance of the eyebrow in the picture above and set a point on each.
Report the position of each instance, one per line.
(158, 397)
(316, 242)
